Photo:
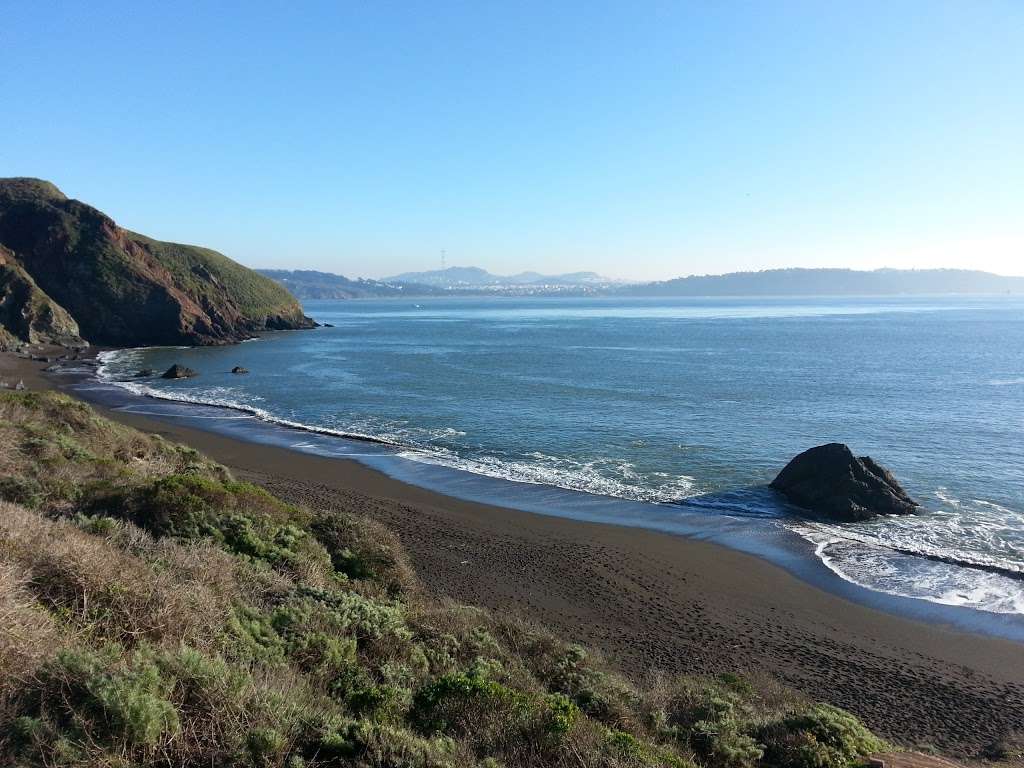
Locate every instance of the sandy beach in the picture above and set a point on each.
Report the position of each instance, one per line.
(656, 602)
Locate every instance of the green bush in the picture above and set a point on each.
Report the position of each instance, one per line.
(570, 672)
(722, 743)
(559, 713)
(239, 517)
(113, 702)
(459, 705)
(21, 490)
(820, 737)
(625, 746)
(265, 747)
(363, 550)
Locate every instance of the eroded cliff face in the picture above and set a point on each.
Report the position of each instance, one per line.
(125, 289)
(28, 314)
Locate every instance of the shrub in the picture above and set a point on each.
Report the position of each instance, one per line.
(820, 737)
(113, 703)
(265, 746)
(722, 743)
(364, 744)
(461, 705)
(624, 746)
(238, 517)
(363, 549)
(559, 714)
(570, 671)
(21, 490)
(493, 717)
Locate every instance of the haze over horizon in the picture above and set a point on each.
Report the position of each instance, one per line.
(640, 143)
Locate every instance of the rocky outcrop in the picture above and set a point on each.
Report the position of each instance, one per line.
(27, 314)
(830, 482)
(177, 371)
(125, 289)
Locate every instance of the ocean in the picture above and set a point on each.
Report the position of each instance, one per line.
(664, 408)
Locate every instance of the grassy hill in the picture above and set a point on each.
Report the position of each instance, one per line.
(156, 612)
(123, 288)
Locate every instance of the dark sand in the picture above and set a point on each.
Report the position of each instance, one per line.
(652, 601)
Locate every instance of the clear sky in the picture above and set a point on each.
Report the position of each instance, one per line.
(637, 139)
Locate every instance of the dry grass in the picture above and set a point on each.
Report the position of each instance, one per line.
(29, 634)
(56, 447)
(103, 589)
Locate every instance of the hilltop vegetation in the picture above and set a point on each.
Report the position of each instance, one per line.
(156, 612)
(122, 288)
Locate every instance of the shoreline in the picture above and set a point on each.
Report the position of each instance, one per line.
(774, 539)
(651, 600)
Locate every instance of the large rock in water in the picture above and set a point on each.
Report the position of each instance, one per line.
(829, 481)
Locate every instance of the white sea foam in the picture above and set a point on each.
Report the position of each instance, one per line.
(1006, 382)
(895, 573)
(964, 553)
(602, 476)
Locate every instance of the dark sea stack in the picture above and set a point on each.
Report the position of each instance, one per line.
(239, 370)
(177, 371)
(830, 482)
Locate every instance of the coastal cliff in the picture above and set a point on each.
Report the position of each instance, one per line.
(27, 314)
(125, 289)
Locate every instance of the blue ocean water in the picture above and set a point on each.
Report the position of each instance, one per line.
(690, 402)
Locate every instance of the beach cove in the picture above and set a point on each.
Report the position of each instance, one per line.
(652, 601)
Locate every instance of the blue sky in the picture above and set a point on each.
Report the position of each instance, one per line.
(643, 140)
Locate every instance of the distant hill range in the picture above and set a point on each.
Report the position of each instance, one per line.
(70, 275)
(308, 284)
(474, 277)
(831, 282)
(472, 281)
(458, 281)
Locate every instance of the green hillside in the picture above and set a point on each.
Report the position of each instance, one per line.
(127, 289)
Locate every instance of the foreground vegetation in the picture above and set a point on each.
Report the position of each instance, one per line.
(155, 612)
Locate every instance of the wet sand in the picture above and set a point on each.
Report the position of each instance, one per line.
(652, 601)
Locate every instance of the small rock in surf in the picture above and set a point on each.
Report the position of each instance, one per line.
(177, 371)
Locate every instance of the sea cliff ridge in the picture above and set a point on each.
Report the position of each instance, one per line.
(99, 283)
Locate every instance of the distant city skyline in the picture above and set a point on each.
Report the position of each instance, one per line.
(639, 141)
